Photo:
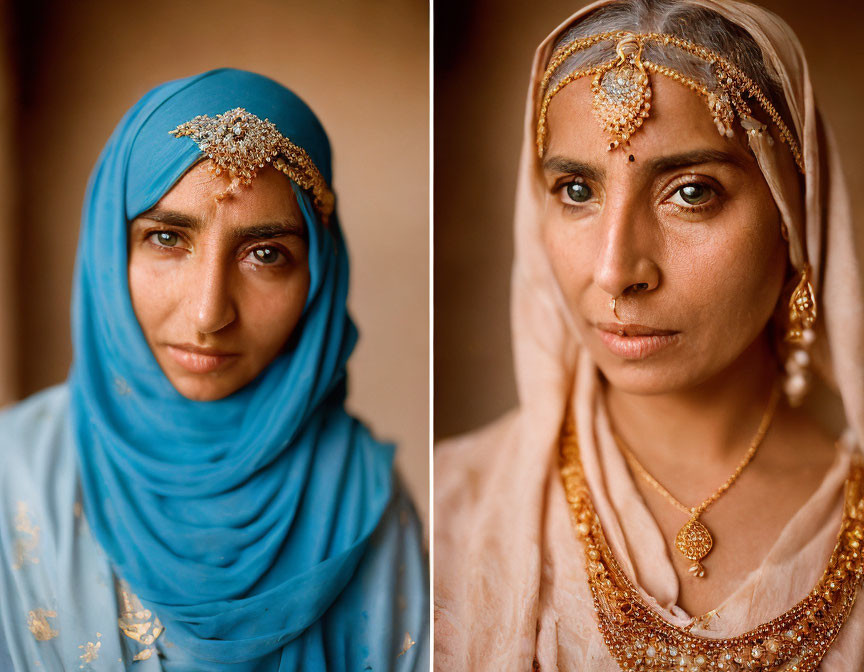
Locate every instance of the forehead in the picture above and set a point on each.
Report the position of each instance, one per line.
(679, 122)
(203, 192)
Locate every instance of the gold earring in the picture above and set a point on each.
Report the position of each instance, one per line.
(801, 336)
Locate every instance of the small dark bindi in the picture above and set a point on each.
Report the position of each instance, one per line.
(631, 158)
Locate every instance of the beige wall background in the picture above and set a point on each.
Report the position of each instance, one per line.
(362, 66)
(483, 52)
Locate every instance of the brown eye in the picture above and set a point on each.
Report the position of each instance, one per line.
(578, 192)
(266, 255)
(692, 194)
(165, 238)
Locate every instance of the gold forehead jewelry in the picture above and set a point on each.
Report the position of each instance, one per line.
(622, 88)
(639, 639)
(693, 540)
(239, 143)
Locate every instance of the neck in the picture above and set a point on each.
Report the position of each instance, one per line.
(716, 419)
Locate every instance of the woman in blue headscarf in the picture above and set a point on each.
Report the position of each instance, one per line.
(196, 497)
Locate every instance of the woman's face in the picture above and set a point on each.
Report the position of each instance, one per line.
(218, 275)
(686, 237)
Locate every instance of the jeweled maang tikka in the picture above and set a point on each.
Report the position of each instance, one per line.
(239, 143)
(622, 88)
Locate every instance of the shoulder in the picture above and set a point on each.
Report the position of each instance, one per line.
(397, 542)
(47, 557)
(31, 434)
(398, 564)
(390, 592)
(34, 407)
(38, 478)
(465, 465)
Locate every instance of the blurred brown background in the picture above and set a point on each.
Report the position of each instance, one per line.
(70, 70)
(483, 52)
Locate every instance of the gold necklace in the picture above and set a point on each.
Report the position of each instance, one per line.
(694, 541)
(640, 640)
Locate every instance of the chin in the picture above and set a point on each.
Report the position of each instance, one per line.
(204, 390)
(649, 378)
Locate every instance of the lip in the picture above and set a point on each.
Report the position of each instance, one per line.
(635, 341)
(196, 359)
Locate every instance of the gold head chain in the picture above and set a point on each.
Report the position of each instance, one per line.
(239, 143)
(622, 88)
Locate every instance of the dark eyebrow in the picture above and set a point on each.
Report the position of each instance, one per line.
(286, 227)
(694, 158)
(558, 164)
(171, 218)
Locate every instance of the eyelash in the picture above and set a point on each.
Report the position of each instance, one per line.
(690, 180)
(150, 237)
(693, 181)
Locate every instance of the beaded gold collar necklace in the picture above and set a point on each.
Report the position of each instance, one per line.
(639, 639)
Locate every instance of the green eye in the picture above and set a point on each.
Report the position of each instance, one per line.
(266, 255)
(166, 238)
(578, 192)
(695, 194)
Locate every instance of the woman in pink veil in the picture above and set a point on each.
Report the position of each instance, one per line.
(681, 485)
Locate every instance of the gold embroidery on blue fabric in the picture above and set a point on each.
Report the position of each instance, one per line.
(145, 654)
(137, 622)
(91, 650)
(26, 538)
(407, 643)
(37, 622)
(122, 387)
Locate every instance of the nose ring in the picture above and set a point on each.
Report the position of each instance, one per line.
(613, 304)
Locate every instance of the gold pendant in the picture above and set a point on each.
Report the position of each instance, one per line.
(694, 542)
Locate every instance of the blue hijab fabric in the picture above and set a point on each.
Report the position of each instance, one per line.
(238, 521)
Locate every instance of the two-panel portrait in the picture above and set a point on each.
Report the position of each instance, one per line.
(422, 335)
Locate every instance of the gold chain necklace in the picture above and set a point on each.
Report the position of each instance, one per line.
(694, 541)
(640, 640)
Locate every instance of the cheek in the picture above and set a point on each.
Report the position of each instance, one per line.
(570, 255)
(154, 289)
(732, 278)
(270, 310)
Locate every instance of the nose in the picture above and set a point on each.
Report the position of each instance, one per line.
(625, 261)
(211, 302)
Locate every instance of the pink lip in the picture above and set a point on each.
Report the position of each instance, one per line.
(200, 360)
(635, 341)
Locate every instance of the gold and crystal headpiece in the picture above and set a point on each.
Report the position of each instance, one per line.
(239, 143)
(622, 88)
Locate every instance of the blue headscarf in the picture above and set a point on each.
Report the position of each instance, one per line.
(238, 521)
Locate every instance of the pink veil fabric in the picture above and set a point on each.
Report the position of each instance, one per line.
(497, 492)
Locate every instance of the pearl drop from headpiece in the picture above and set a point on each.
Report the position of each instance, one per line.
(808, 337)
(795, 386)
(801, 357)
